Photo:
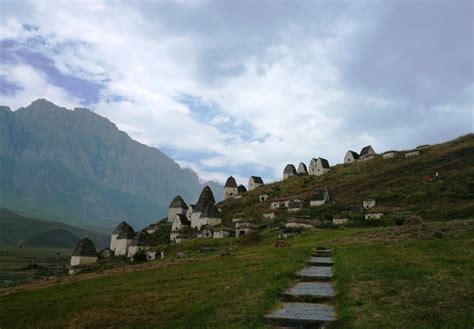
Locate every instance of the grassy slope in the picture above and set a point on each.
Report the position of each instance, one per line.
(385, 279)
(398, 185)
(13, 258)
(15, 228)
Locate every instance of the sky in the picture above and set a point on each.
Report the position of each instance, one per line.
(244, 87)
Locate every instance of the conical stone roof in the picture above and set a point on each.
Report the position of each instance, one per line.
(178, 202)
(230, 182)
(241, 189)
(205, 198)
(124, 231)
(302, 169)
(140, 239)
(85, 248)
(210, 211)
(289, 169)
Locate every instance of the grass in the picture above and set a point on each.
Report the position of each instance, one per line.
(386, 277)
(408, 284)
(12, 259)
(398, 185)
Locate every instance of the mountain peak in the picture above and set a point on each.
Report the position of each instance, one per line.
(42, 103)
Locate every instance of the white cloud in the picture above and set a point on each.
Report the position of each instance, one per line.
(291, 92)
(33, 85)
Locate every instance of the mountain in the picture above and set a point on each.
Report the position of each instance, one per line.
(77, 167)
(16, 229)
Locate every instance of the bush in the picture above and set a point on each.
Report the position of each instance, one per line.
(414, 220)
(140, 256)
(251, 237)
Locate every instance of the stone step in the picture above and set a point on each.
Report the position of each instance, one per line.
(310, 291)
(315, 273)
(302, 315)
(326, 250)
(322, 261)
(321, 253)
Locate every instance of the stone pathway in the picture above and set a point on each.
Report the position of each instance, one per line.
(308, 303)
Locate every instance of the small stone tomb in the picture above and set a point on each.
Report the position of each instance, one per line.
(368, 204)
(339, 221)
(319, 197)
(263, 197)
(373, 215)
(269, 214)
(412, 153)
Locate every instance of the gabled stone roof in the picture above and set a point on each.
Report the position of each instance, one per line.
(183, 219)
(124, 231)
(210, 211)
(256, 179)
(320, 194)
(85, 248)
(230, 182)
(241, 189)
(206, 197)
(325, 163)
(289, 169)
(354, 154)
(178, 202)
(367, 150)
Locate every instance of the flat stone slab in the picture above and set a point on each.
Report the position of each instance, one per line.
(315, 272)
(298, 314)
(311, 290)
(322, 250)
(321, 261)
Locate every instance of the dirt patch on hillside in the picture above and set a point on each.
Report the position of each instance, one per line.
(424, 231)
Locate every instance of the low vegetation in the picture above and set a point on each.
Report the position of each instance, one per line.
(402, 187)
(385, 277)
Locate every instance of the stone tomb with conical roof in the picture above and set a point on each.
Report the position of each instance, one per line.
(302, 169)
(138, 243)
(209, 216)
(205, 198)
(177, 206)
(121, 239)
(84, 255)
(230, 188)
(241, 189)
(289, 171)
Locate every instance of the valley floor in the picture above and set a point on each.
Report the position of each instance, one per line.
(397, 277)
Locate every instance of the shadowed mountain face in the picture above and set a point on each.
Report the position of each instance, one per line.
(76, 166)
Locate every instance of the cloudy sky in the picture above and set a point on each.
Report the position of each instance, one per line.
(244, 87)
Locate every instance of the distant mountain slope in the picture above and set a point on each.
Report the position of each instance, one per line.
(77, 167)
(16, 229)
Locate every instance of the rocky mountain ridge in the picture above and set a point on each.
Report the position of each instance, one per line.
(78, 164)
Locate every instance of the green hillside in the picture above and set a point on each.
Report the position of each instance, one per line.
(16, 230)
(397, 277)
(401, 186)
